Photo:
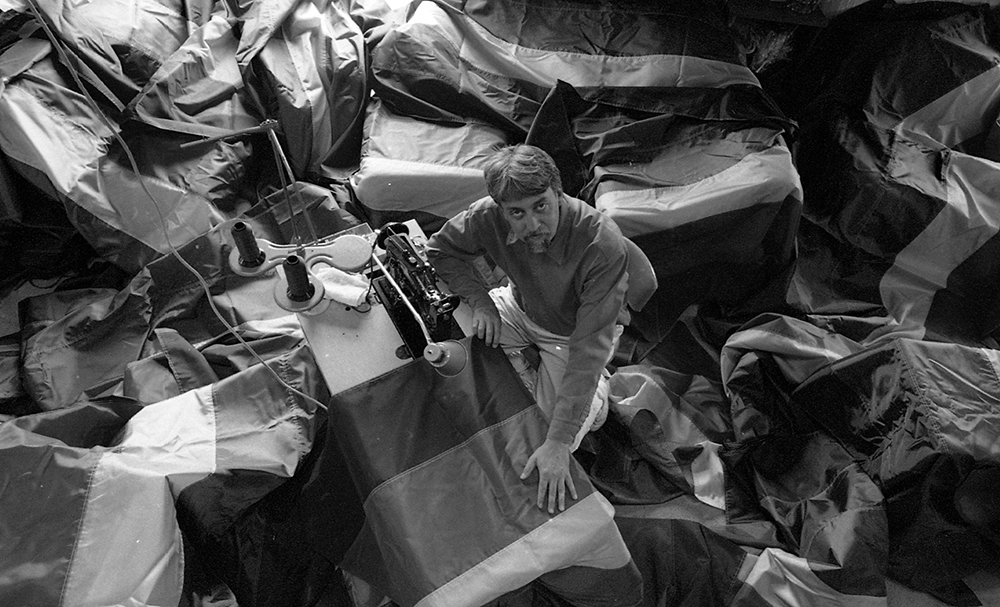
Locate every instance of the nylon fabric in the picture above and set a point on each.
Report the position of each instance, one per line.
(901, 220)
(427, 540)
(104, 511)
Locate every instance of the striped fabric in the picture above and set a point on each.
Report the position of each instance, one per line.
(873, 454)
(901, 162)
(655, 120)
(88, 494)
(169, 73)
(713, 516)
(411, 169)
(448, 521)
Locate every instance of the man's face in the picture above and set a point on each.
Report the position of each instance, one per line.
(534, 219)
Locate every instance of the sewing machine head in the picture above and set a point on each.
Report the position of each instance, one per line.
(405, 283)
(419, 284)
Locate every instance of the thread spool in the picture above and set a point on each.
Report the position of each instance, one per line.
(447, 357)
(246, 243)
(299, 287)
(299, 291)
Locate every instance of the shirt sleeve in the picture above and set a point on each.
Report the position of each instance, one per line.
(590, 342)
(451, 251)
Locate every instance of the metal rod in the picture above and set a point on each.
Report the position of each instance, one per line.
(267, 125)
(416, 315)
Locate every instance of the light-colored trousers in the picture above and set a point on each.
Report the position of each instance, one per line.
(518, 332)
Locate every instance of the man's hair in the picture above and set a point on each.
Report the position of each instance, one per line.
(519, 171)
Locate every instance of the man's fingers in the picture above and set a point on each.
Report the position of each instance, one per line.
(487, 330)
(572, 487)
(553, 491)
(528, 468)
(496, 334)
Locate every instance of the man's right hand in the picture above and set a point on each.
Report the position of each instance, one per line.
(486, 325)
(554, 478)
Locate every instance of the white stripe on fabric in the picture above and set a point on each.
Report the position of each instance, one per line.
(964, 414)
(303, 35)
(802, 348)
(319, 51)
(175, 436)
(785, 580)
(986, 585)
(960, 114)
(585, 534)
(387, 184)
(707, 476)
(71, 147)
(761, 177)
(128, 550)
(73, 160)
(545, 67)
(287, 325)
(705, 473)
(993, 358)
(970, 218)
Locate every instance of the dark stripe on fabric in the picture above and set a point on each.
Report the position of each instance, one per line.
(580, 134)
(440, 519)
(854, 173)
(836, 396)
(43, 498)
(724, 259)
(866, 59)
(734, 103)
(970, 304)
(412, 414)
(677, 27)
(682, 562)
(592, 587)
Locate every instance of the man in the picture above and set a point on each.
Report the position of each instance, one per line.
(566, 268)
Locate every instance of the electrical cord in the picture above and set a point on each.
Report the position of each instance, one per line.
(57, 44)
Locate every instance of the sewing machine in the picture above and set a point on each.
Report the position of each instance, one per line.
(418, 293)
(406, 315)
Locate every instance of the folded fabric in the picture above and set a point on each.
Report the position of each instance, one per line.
(345, 287)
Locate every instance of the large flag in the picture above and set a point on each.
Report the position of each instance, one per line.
(448, 520)
(715, 512)
(902, 432)
(922, 420)
(899, 159)
(89, 494)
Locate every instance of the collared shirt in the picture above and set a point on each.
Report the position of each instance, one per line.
(575, 288)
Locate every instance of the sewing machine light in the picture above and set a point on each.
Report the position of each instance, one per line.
(447, 357)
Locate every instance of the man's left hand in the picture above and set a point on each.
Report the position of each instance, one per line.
(552, 461)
